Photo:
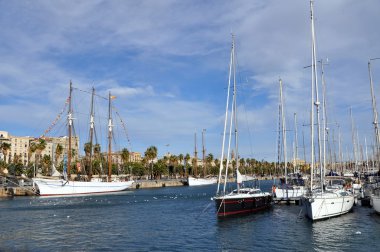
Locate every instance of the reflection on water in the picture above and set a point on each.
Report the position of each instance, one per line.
(174, 219)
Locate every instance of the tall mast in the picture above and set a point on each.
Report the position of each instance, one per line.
(235, 119)
(232, 116)
(314, 81)
(324, 117)
(225, 123)
(279, 138)
(295, 142)
(70, 125)
(203, 153)
(366, 155)
(91, 131)
(283, 132)
(353, 139)
(109, 137)
(195, 155)
(375, 115)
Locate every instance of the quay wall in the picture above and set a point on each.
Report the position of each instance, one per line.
(16, 191)
(141, 184)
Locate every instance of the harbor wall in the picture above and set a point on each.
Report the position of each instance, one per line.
(141, 184)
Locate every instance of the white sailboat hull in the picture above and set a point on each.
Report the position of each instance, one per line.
(201, 181)
(290, 193)
(328, 204)
(51, 187)
(375, 202)
(247, 178)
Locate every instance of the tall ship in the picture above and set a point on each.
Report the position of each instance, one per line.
(88, 185)
(241, 200)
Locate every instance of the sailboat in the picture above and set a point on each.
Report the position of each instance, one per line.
(289, 188)
(320, 202)
(241, 200)
(68, 187)
(195, 180)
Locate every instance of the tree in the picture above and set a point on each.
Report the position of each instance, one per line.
(159, 168)
(40, 146)
(138, 169)
(5, 147)
(3, 166)
(173, 160)
(209, 160)
(58, 153)
(151, 154)
(180, 159)
(46, 164)
(125, 155)
(187, 158)
(215, 169)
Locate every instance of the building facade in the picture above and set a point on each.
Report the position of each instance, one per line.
(20, 148)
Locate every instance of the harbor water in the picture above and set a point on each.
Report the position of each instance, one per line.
(174, 219)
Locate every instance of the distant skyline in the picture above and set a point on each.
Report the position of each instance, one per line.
(166, 61)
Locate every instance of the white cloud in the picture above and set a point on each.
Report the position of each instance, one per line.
(149, 59)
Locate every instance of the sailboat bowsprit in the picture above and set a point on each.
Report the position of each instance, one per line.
(241, 200)
(67, 187)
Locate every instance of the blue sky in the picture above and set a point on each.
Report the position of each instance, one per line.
(167, 63)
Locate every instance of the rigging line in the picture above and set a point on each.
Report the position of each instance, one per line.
(244, 103)
(90, 92)
(124, 128)
(56, 119)
(204, 210)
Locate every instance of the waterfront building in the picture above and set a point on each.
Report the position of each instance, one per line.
(135, 157)
(20, 148)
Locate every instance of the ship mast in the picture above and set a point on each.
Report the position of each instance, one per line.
(91, 132)
(375, 115)
(70, 125)
(195, 155)
(225, 124)
(203, 153)
(283, 132)
(109, 137)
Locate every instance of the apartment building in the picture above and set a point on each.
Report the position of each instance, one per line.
(20, 148)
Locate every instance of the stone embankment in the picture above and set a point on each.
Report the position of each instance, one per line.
(16, 191)
(141, 184)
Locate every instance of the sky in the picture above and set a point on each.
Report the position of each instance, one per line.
(167, 63)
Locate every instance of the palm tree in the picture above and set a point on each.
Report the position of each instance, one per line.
(209, 160)
(173, 164)
(40, 146)
(151, 154)
(194, 163)
(217, 164)
(58, 153)
(187, 158)
(5, 147)
(180, 158)
(46, 163)
(125, 157)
